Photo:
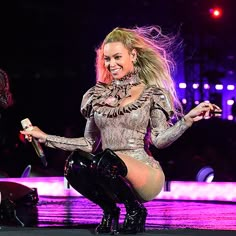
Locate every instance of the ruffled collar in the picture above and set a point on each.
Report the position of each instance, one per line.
(119, 89)
(130, 79)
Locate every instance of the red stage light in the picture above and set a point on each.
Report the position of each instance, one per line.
(216, 12)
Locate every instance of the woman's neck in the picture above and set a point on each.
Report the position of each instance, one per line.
(129, 79)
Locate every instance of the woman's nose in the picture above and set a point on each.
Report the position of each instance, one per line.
(112, 62)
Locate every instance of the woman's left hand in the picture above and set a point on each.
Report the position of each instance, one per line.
(204, 110)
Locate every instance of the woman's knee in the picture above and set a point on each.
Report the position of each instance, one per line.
(79, 163)
(109, 164)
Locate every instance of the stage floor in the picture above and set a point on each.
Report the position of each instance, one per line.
(75, 215)
(78, 216)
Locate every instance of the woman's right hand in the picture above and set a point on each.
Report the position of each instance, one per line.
(35, 132)
(204, 110)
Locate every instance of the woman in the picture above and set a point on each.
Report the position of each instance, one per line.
(132, 103)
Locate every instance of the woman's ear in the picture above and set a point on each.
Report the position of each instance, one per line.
(134, 55)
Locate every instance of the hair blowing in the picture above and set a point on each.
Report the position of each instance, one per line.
(153, 58)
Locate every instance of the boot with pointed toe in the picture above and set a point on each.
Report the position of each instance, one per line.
(80, 171)
(135, 218)
(110, 222)
(113, 170)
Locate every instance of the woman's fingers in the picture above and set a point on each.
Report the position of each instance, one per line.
(27, 135)
(209, 110)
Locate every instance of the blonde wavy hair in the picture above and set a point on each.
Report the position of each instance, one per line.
(153, 58)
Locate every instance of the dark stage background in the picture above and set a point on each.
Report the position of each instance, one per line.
(48, 50)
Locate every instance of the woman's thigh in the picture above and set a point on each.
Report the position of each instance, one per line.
(146, 180)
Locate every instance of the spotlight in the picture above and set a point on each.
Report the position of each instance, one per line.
(216, 12)
(205, 174)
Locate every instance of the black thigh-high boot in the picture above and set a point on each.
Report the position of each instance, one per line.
(113, 171)
(80, 171)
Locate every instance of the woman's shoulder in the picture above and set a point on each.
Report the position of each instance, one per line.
(98, 87)
(89, 97)
(161, 100)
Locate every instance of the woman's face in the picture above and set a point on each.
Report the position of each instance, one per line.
(118, 60)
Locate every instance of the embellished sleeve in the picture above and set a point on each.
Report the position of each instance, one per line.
(163, 132)
(91, 138)
(86, 104)
(69, 144)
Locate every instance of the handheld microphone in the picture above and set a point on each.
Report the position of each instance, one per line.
(26, 124)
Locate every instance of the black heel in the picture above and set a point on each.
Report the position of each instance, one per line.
(143, 221)
(135, 220)
(113, 170)
(80, 171)
(109, 223)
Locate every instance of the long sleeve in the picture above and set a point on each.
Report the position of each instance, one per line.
(91, 138)
(68, 144)
(87, 143)
(162, 133)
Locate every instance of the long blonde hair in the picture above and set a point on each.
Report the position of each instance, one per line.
(153, 58)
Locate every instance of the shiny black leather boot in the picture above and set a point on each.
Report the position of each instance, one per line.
(110, 222)
(81, 173)
(135, 218)
(113, 171)
(136, 213)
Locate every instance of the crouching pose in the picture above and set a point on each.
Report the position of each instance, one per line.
(131, 104)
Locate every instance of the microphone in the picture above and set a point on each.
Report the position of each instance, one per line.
(26, 124)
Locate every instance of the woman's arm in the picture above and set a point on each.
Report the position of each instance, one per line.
(87, 143)
(163, 134)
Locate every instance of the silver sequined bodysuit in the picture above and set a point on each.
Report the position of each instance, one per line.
(124, 129)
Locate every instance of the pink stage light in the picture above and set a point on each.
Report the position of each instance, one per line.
(178, 190)
(230, 117)
(195, 86)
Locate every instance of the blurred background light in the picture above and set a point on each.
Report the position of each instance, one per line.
(206, 86)
(230, 87)
(216, 12)
(219, 86)
(205, 174)
(182, 85)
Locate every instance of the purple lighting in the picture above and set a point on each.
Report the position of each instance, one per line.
(214, 191)
(179, 190)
